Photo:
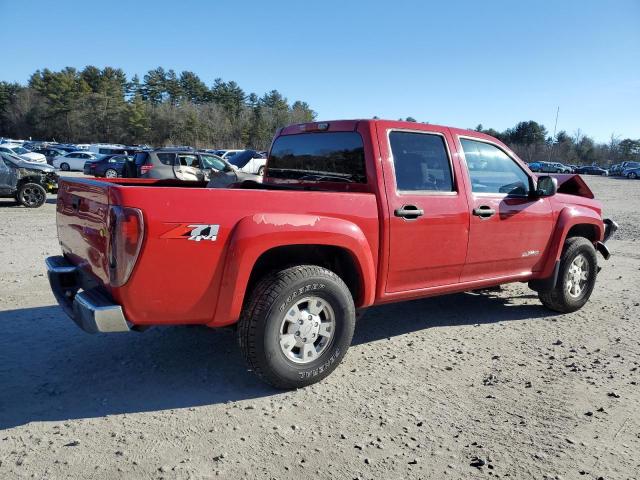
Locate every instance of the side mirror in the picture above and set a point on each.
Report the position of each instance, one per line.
(547, 186)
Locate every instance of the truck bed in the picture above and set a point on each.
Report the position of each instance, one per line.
(192, 272)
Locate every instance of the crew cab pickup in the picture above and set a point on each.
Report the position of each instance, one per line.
(350, 214)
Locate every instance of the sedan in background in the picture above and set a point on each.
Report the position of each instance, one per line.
(592, 170)
(23, 153)
(109, 166)
(73, 160)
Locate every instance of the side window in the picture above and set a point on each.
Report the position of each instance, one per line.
(421, 162)
(188, 161)
(493, 171)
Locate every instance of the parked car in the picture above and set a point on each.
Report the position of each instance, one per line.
(50, 153)
(592, 170)
(177, 164)
(632, 173)
(109, 166)
(27, 182)
(549, 167)
(20, 151)
(289, 261)
(249, 161)
(73, 160)
(626, 167)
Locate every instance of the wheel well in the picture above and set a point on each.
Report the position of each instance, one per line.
(336, 259)
(585, 230)
(24, 180)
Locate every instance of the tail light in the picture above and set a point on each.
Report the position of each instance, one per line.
(126, 232)
(145, 168)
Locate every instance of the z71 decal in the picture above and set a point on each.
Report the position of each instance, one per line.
(195, 232)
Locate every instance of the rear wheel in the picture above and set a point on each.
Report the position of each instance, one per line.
(65, 166)
(111, 173)
(297, 326)
(32, 195)
(261, 171)
(576, 277)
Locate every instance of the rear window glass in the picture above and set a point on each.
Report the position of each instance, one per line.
(331, 157)
(166, 158)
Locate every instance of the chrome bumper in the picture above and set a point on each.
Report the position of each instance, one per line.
(91, 308)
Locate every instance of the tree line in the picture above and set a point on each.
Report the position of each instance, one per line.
(166, 108)
(531, 142)
(162, 108)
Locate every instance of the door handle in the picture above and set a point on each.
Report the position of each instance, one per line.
(408, 212)
(484, 211)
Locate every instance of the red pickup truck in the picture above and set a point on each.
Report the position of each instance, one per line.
(350, 214)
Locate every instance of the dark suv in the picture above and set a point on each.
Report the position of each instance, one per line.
(27, 182)
(181, 164)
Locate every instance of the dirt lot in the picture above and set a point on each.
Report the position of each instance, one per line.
(428, 389)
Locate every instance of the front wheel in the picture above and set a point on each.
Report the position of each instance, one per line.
(32, 195)
(576, 277)
(261, 171)
(633, 175)
(297, 326)
(65, 167)
(111, 173)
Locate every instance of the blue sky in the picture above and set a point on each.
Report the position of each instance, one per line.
(453, 63)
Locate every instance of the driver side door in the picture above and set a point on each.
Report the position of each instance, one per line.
(509, 229)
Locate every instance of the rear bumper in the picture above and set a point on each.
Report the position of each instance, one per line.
(88, 305)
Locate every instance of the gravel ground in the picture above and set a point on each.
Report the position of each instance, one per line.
(474, 385)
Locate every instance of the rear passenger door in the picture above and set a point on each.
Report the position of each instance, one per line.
(428, 211)
(187, 167)
(509, 229)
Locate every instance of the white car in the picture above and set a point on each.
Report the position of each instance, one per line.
(23, 153)
(73, 160)
(248, 161)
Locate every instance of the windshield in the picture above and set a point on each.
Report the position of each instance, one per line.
(20, 150)
(330, 156)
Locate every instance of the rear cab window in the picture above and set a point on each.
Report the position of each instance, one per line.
(322, 156)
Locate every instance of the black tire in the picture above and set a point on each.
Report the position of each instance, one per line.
(260, 325)
(31, 195)
(261, 171)
(632, 175)
(65, 167)
(111, 173)
(559, 298)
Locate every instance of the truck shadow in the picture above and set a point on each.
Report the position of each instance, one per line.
(52, 371)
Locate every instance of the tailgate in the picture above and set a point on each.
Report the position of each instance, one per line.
(82, 215)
